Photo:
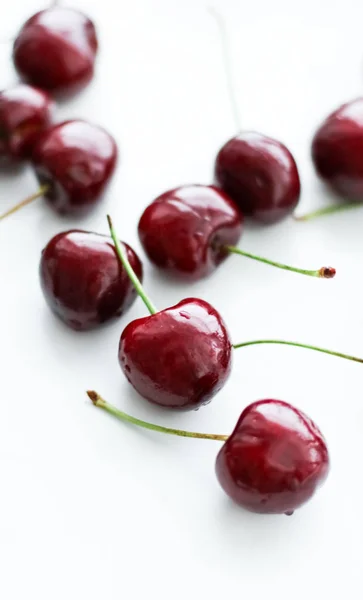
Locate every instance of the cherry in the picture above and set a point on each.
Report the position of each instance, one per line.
(257, 172)
(260, 175)
(273, 462)
(73, 162)
(25, 111)
(336, 150)
(190, 230)
(180, 357)
(83, 281)
(55, 49)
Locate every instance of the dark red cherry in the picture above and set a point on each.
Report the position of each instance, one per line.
(24, 112)
(260, 175)
(55, 49)
(185, 230)
(274, 460)
(83, 281)
(179, 357)
(337, 150)
(75, 159)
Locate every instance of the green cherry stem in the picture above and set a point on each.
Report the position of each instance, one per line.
(101, 403)
(324, 272)
(298, 345)
(42, 190)
(328, 210)
(129, 270)
(227, 64)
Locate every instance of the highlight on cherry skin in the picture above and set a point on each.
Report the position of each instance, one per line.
(82, 280)
(190, 230)
(56, 50)
(25, 112)
(180, 357)
(73, 162)
(273, 462)
(337, 154)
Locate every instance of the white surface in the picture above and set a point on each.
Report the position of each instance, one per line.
(90, 508)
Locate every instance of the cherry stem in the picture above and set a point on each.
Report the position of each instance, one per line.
(101, 403)
(297, 345)
(129, 270)
(328, 210)
(324, 272)
(42, 190)
(227, 64)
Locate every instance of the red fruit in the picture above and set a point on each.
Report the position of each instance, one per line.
(179, 357)
(337, 150)
(184, 231)
(83, 281)
(274, 460)
(260, 175)
(24, 112)
(76, 160)
(56, 49)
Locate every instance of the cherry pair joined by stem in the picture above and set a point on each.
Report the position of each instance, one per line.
(180, 357)
(73, 162)
(337, 153)
(83, 281)
(25, 112)
(258, 172)
(273, 462)
(190, 230)
(56, 50)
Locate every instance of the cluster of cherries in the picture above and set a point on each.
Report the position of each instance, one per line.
(179, 357)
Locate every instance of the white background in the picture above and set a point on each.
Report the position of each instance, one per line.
(91, 508)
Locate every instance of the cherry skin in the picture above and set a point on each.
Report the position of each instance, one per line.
(185, 229)
(83, 281)
(337, 150)
(76, 160)
(274, 460)
(25, 111)
(260, 175)
(56, 49)
(178, 358)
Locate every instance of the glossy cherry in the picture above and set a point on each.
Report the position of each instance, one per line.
(260, 175)
(56, 49)
(186, 230)
(179, 357)
(73, 162)
(83, 281)
(190, 230)
(337, 150)
(274, 460)
(25, 112)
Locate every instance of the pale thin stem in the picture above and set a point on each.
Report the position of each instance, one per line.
(298, 345)
(101, 403)
(227, 65)
(324, 272)
(129, 270)
(42, 190)
(328, 210)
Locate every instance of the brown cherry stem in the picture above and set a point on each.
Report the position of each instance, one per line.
(298, 345)
(101, 403)
(323, 273)
(328, 210)
(42, 190)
